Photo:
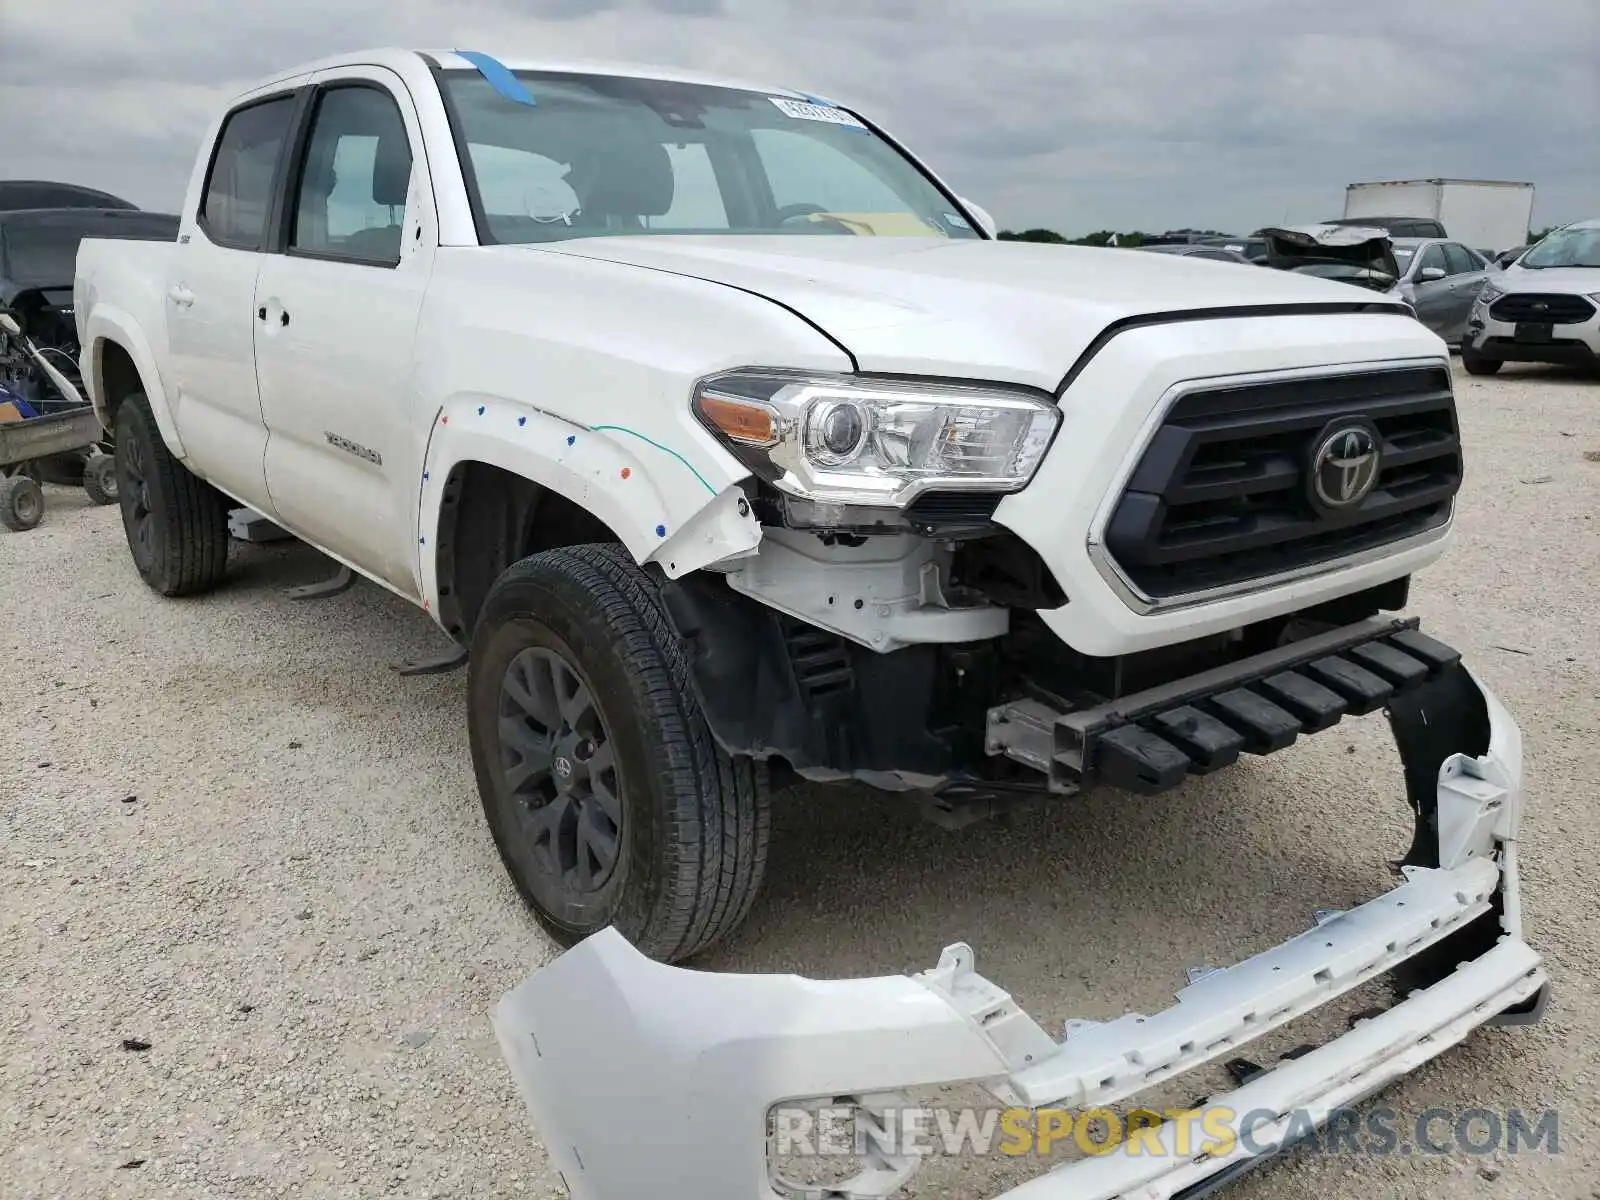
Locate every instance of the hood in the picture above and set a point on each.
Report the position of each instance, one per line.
(1013, 312)
(1364, 253)
(1583, 281)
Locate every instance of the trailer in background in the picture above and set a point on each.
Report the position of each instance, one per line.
(1487, 214)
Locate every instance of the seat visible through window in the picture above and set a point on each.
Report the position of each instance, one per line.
(355, 178)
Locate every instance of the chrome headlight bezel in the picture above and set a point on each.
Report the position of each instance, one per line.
(876, 441)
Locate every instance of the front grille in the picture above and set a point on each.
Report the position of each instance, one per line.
(1539, 306)
(1221, 495)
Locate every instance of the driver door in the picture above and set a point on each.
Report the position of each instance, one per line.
(1433, 297)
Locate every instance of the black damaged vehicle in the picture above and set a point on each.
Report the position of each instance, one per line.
(38, 255)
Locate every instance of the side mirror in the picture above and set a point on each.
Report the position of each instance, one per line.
(9, 324)
(984, 219)
(1429, 274)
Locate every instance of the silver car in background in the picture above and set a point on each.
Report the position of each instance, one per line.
(1441, 280)
(1544, 308)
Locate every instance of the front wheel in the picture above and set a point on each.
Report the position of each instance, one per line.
(1477, 364)
(608, 800)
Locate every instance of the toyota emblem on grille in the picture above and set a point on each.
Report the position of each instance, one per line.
(1344, 466)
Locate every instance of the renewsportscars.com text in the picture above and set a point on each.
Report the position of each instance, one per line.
(1215, 1130)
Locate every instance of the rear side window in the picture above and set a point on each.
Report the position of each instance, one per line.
(1461, 259)
(238, 194)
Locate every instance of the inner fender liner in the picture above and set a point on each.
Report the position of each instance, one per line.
(771, 685)
(1448, 715)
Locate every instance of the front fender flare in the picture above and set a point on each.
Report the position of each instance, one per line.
(109, 324)
(662, 508)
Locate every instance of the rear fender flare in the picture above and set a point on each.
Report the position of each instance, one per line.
(663, 511)
(113, 325)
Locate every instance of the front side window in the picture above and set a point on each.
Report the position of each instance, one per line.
(351, 201)
(1462, 261)
(606, 155)
(233, 210)
(1565, 248)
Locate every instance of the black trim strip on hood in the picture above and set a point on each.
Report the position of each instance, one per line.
(1142, 320)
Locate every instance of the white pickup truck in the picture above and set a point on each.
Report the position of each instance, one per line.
(729, 444)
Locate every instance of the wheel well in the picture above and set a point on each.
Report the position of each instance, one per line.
(490, 518)
(119, 378)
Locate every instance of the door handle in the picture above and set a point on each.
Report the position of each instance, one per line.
(181, 295)
(283, 317)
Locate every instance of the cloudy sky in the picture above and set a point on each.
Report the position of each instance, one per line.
(1072, 114)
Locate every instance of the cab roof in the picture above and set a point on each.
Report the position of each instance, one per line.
(403, 61)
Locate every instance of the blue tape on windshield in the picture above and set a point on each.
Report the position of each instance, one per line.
(499, 76)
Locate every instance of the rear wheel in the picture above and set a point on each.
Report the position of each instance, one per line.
(608, 799)
(176, 522)
(1477, 364)
(21, 502)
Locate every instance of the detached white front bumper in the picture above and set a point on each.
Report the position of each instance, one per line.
(650, 1080)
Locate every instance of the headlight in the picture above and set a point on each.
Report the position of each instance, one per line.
(1488, 294)
(848, 439)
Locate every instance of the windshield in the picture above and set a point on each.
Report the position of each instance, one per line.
(1565, 248)
(42, 247)
(605, 155)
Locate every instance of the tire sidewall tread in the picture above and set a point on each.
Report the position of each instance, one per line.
(190, 535)
(696, 831)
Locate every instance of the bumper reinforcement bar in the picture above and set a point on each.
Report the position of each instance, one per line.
(1151, 741)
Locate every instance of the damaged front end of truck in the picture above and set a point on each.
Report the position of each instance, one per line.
(706, 1058)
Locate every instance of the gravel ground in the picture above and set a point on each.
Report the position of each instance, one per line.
(229, 831)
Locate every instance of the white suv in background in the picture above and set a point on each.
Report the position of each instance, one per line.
(1545, 307)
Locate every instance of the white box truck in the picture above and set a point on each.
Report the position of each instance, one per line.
(1487, 214)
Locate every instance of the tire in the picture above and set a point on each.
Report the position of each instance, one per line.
(176, 523)
(21, 502)
(691, 842)
(1477, 364)
(100, 479)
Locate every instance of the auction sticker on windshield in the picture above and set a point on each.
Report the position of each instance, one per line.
(815, 112)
